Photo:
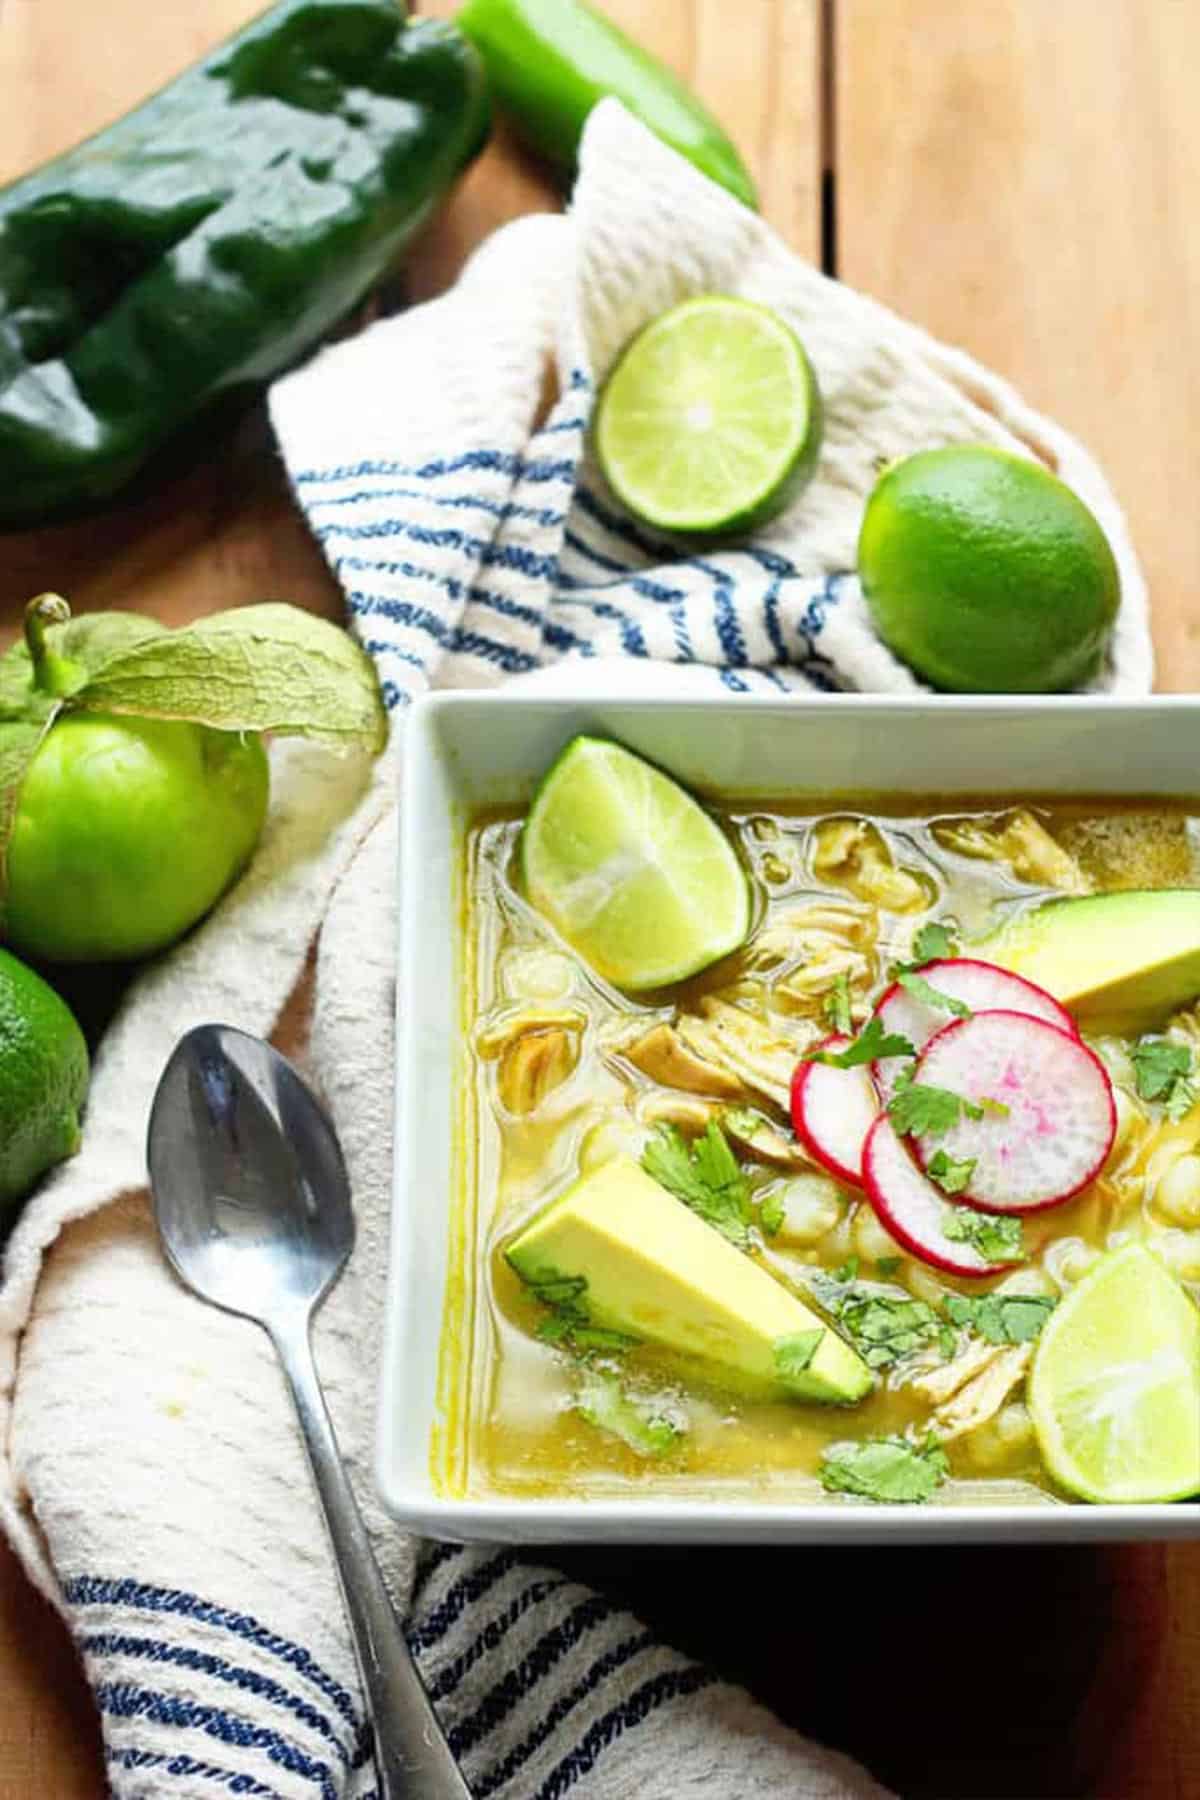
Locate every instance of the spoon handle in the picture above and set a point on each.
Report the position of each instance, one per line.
(412, 1756)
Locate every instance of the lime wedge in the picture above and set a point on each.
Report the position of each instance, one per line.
(1115, 1388)
(629, 868)
(711, 421)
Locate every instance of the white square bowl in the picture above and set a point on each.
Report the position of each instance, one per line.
(466, 750)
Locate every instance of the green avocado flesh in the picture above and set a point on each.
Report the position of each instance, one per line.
(1127, 958)
(655, 1270)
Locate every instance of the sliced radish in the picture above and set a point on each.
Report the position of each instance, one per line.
(1059, 1120)
(978, 985)
(912, 1208)
(832, 1112)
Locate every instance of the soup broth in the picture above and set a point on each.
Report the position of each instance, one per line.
(561, 1071)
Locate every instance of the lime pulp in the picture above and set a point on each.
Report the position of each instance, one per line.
(711, 421)
(1115, 1386)
(630, 869)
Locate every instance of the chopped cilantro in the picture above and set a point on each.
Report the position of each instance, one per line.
(794, 1354)
(707, 1177)
(885, 1328)
(997, 1237)
(952, 1177)
(1164, 1071)
(923, 990)
(872, 1044)
(933, 943)
(997, 1108)
(887, 1265)
(641, 1423)
(569, 1323)
(771, 1214)
(742, 1121)
(918, 1110)
(885, 1469)
(1001, 1318)
(837, 1006)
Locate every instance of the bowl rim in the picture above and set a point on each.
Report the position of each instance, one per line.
(670, 1519)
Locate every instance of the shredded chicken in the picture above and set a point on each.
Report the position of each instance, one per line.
(662, 1054)
(853, 854)
(803, 952)
(734, 1040)
(1021, 841)
(721, 1052)
(945, 1378)
(970, 1390)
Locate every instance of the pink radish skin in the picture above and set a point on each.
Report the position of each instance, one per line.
(911, 1208)
(832, 1112)
(979, 985)
(1061, 1118)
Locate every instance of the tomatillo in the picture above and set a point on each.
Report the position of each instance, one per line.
(127, 831)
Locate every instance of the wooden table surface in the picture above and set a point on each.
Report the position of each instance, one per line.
(1018, 176)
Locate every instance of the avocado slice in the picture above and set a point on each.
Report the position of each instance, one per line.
(1125, 959)
(654, 1269)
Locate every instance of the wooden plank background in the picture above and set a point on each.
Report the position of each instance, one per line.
(1020, 178)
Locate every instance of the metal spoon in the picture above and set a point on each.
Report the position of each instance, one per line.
(253, 1209)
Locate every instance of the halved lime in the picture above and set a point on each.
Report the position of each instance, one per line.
(630, 869)
(711, 421)
(1115, 1387)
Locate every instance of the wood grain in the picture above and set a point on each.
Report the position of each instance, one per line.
(1021, 178)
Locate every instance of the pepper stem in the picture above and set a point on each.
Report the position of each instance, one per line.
(52, 673)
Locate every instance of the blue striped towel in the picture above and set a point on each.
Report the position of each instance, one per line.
(151, 1477)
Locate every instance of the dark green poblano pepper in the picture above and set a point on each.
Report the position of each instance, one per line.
(204, 242)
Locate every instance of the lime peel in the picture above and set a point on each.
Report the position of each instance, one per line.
(710, 422)
(1115, 1386)
(630, 869)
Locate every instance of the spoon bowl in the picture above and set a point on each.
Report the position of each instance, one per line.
(251, 1194)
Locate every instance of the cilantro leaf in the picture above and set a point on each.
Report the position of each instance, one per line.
(885, 1469)
(918, 1110)
(794, 1354)
(997, 1237)
(887, 1265)
(952, 1177)
(569, 1323)
(848, 1270)
(771, 1214)
(1001, 1318)
(886, 1328)
(933, 943)
(873, 1043)
(707, 1177)
(837, 1006)
(646, 1427)
(997, 1108)
(742, 1121)
(923, 990)
(1163, 1071)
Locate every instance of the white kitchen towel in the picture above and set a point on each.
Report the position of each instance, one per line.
(151, 1479)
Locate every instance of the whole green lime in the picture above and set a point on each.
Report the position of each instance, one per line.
(986, 574)
(43, 1079)
(126, 831)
